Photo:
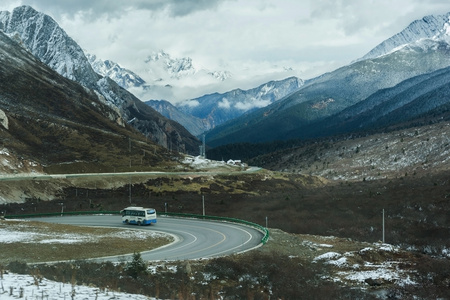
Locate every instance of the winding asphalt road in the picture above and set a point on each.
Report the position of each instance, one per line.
(194, 239)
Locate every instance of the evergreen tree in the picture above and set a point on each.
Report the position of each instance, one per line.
(136, 267)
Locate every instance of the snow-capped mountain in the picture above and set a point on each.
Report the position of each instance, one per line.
(123, 77)
(47, 41)
(175, 68)
(161, 76)
(208, 111)
(422, 33)
(198, 114)
(178, 67)
(423, 47)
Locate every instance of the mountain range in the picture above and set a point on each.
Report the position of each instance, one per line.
(199, 114)
(404, 80)
(206, 112)
(160, 76)
(46, 40)
(422, 48)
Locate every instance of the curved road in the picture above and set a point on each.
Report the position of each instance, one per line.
(194, 239)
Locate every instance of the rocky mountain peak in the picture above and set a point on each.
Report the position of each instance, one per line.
(122, 76)
(176, 67)
(435, 28)
(47, 41)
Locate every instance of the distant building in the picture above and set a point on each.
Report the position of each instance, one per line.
(234, 162)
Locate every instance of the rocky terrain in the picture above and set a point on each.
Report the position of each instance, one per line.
(417, 150)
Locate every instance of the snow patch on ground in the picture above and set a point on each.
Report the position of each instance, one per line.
(348, 270)
(327, 256)
(15, 235)
(325, 245)
(15, 286)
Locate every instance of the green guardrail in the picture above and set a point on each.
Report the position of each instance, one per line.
(264, 230)
(216, 218)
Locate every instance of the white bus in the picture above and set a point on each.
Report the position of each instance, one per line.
(138, 215)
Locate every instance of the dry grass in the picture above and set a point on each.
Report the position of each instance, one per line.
(52, 242)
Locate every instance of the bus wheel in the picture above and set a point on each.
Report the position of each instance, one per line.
(139, 223)
(127, 222)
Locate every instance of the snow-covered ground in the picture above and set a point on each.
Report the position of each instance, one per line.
(25, 232)
(350, 271)
(15, 286)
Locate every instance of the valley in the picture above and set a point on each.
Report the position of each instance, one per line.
(350, 170)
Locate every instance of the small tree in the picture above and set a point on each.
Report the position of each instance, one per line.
(136, 267)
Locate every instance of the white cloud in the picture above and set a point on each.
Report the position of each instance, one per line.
(255, 103)
(224, 103)
(191, 103)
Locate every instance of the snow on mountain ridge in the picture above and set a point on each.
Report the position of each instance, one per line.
(431, 27)
(123, 77)
(237, 101)
(176, 68)
(201, 114)
(49, 42)
(179, 67)
(161, 76)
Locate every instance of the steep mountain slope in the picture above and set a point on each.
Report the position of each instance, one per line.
(194, 125)
(430, 27)
(413, 151)
(220, 108)
(47, 41)
(419, 97)
(212, 110)
(49, 123)
(332, 92)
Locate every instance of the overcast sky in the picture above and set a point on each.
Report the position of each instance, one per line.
(253, 39)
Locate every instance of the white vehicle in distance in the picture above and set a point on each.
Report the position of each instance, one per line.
(138, 215)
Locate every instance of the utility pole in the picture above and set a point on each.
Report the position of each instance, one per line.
(130, 191)
(204, 147)
(383, 225)
(203, 204)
